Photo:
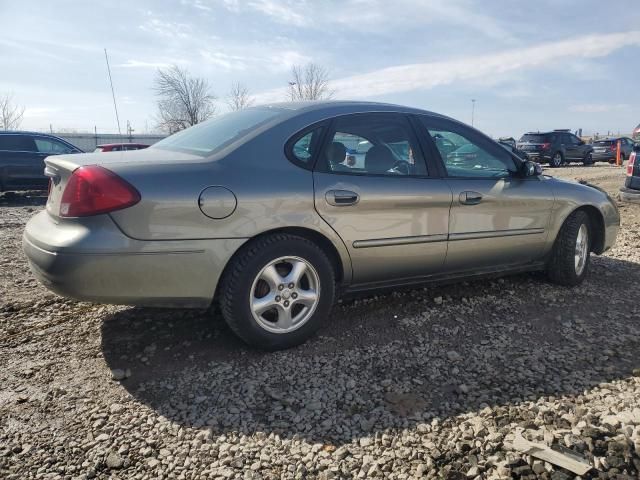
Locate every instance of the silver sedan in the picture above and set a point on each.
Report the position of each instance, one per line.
(263, 211)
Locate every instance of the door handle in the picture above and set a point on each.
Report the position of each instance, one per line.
(470, 198)
(341, 198)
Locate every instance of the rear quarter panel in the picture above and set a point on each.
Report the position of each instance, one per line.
(271, 194)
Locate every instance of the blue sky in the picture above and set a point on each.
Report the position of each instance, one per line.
(529, 64)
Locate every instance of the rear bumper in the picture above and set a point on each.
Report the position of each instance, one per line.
(603, 157)
(629, 195)
(92, 260)
(538, 157)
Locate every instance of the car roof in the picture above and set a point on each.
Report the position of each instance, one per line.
(24, 132)
(121, 144)
(329, 105)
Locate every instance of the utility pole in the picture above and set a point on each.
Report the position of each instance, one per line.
(473, 110)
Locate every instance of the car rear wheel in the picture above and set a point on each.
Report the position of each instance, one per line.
(277, 291)
(570, 257)
(556, 160)
(588, 160)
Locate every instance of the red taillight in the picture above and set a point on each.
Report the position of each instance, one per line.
(613, 147)
(630, 163)
(93, 190)
(545, 146)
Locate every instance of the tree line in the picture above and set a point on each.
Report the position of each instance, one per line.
(184, 100)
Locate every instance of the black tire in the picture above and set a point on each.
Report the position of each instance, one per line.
(588, 160)
(557, 159)
(237, 282)
(561, 267)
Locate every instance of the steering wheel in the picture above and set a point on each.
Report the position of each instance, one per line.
(402, 166)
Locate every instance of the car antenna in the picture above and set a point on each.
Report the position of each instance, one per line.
(113, 94)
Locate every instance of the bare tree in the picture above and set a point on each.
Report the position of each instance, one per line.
(239, 97)
(309, 82)
(10, 114)
(183, 100)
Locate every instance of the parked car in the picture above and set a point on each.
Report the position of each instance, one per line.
(22, 157)
(511, 146)
(120, 147)
(631, 190)
(556, 147)
(606, 150)
(510, 141)
(257, 210)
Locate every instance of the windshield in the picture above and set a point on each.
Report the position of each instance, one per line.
(216, 133)
(603, 142)
(533, 138)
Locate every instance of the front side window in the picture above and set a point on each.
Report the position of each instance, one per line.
(218, 132)
(373, 144)
(464, 154)
(47, 145)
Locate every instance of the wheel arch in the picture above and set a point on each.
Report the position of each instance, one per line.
(342, 271)
(597, 226)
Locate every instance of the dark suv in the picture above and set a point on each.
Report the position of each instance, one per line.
(606, 150)
(556, 147)
(22, 157)
(631, 190)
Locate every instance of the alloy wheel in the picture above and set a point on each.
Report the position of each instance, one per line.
(284, 294)
(582, 249)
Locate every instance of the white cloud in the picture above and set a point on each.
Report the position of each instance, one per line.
(164, 28)
(142, 64)
(422, 76)
(598, 107)
(224, 60)
(39, 112)
(283, 12)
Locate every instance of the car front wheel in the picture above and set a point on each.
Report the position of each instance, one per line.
(569, 260)
(277, 291)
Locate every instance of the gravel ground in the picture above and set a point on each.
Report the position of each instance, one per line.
(423, 383)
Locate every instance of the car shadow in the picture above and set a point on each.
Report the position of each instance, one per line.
(389, 361)
(23, 198)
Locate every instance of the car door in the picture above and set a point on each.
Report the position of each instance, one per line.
(391, 213)
(20, 161)
(627, 147)
(498, 217)
(575, 148)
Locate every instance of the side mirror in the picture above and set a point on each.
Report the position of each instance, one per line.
(531, 169)
(636, 147)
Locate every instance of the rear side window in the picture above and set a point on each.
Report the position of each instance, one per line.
(17, 143)
(603, 142)
(373, 144)
(47, 145)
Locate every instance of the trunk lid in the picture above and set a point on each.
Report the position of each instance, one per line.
(59, 168)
